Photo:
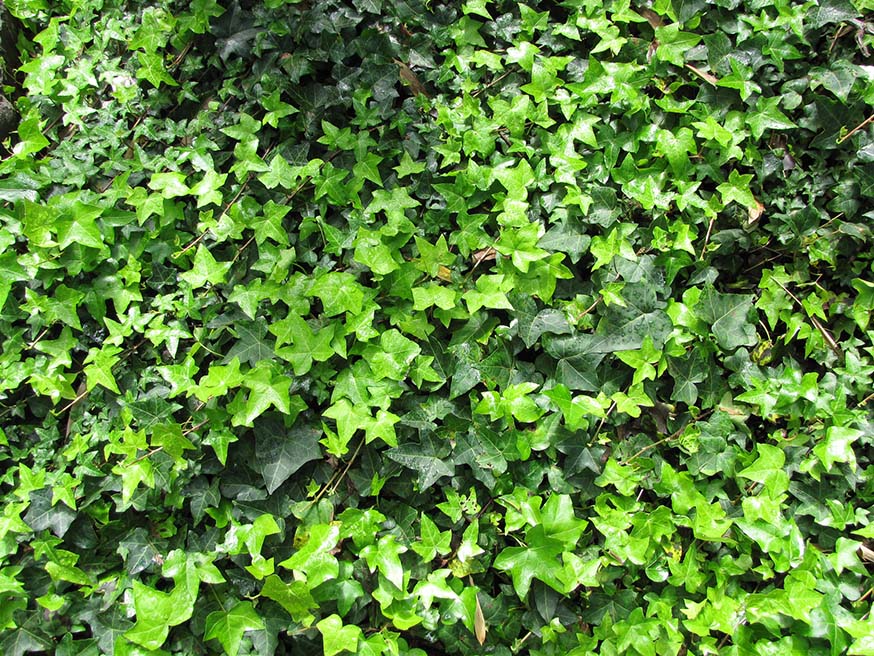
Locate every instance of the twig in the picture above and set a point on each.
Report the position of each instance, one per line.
(37, 339)
(604, 419)
(670, 437)
(474, 94)
(865, 400)
(704, 75)
(72, 403)
(588, 309)
(334, 482)
(348, 465)
(826, 335)
(180, 56)
(242, 248)
(856, 129)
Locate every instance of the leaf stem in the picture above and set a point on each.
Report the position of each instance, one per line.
(670, 437)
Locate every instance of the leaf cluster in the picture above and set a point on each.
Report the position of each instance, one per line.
(382, 327)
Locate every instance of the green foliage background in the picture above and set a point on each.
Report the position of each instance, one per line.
(474, 327)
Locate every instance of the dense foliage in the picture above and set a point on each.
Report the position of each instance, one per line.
(387, 327)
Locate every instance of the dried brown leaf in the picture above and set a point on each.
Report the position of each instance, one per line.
(409, 78)
(483, 255)
(651, 17)
(479, 623)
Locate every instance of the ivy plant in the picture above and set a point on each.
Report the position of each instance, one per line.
(475, 327)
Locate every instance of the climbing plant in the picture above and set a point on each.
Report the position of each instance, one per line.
(378, 327)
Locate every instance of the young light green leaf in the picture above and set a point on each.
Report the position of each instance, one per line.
(228, 626)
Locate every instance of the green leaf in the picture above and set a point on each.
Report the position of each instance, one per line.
(838, 446)
(307, 346)
(431, 540)
(169, 184)
(25, 640)
(228, 626)
(43, 514)
(81, 227)
(385, 556)
(767, 116)
(339, 292)
(337, 638)
(674, 44)
(768, 470)
(560, 522)
(251, 347)
(314, 561)
(280, 452)
(539, 559)
(491, 292)
(152, 69)
(268, 387)
(676, 146)
(10, 273)
(294, 597)
(727, 316)
(157, 611)
(393, 357)
(429, 467)
(205, 269)
(408, 166)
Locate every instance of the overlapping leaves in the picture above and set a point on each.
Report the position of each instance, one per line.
(378, 328)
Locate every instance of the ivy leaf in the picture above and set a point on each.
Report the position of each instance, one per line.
(169, 184)
(152, 69)
(768, 470)
(251, 347)
(560, 522)
(576, 364)
(408, 166)
(10, 273)
(421, 459)
(837, 446)
(477, 450)
(205, 269)
(385, 556)
(337, 638)
(314, 560)
(228, 626)
(393, 357)
(767, 116)
(727, 316)
(431, 258)
(81, 227)
(431, 540)
(491, 292)
(737, 188)
(339, 292)
(42, 514)
(139, 550)
(676, 147)
(832, 11)
(281, 452)
(279, 174)
(268, 387)
(26, 640)
(294, 597)
(674, 44)
(307, 346)
(539, 559)
(157, 611)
